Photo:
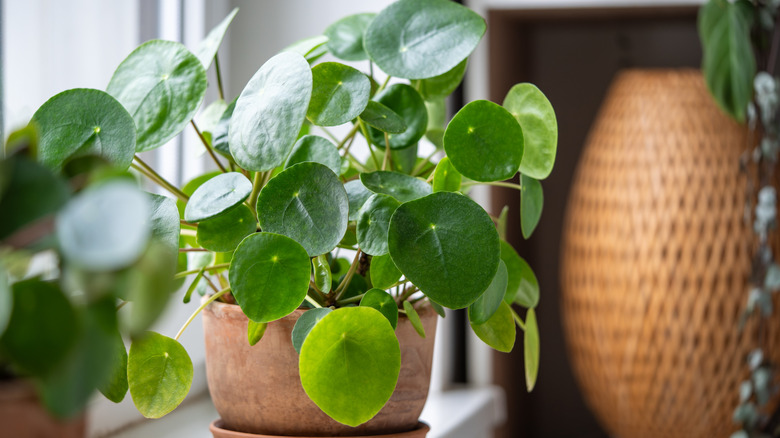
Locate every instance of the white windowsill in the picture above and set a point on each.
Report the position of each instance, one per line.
(456, 413)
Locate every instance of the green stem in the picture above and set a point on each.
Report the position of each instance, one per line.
(386, 161)
(219, 77)
(257, 185)
(336, 295)
(368, 141)
(421, 167)
(384, 84)
(407, 293)
(496, 183)
(200, 309)
(193, 250)
(312, 301)
(320, 294)
(329, 134)
(208, 148)
(152, 175)
(358, 165)
(355, 299)
(207, 269)
(517, 319)
(350, 134)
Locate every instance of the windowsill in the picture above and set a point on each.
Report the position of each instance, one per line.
(456, 413)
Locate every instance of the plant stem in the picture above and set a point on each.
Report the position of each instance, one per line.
(386, 161)
(497, 184)
(517, 319)
(208, 149)
(320, 294)
(312, 301)
(256, 186)
(368, 141)
(384, 84)
(421, 167)
(350, 300)
(207, 269)
(189, 224)
(219, 76)
(149, 172)
(200, 309)
(335, 295)
(350, 134)
(329, 134)
(408, 291)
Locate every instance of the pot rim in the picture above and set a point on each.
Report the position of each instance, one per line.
(216, 426)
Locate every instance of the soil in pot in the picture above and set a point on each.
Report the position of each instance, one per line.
(257, 389)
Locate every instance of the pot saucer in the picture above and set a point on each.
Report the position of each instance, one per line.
(216, 428)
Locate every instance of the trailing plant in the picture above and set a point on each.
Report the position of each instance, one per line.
(351, 222)
(740, 42)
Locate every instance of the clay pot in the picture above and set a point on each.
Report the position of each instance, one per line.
(23, 416)
(216, 428)
(257, 389)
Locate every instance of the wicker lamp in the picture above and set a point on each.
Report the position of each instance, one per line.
(655, 261)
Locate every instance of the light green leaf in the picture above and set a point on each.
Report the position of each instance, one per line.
(499, 331)
(382, 118)
(322, 275)
(207, 49)
(414, 318)
(269, 276)
(484, 142)
(531, 203)
(269, 112)
(405, 101)
(255, 331)
(345, 37)
(316, 149)
(357, 194)
(224, 232)
(209, 118)
(305, 323)
(441, 86)
(308, 203)
(220, 133)
(536, 116)
(159, 373)
(383, 272)
(165, 222)
(490, 300)
(416, 39)
(340, 93)
(522, 286)
(531, 349)
(311, 48)
(446, 178)
(431, 241)
(161, 84)
(83, 122)
(401, 187)
(502, 222)
(358, 348)
(372, 223)
(384, 303)
(217, 196)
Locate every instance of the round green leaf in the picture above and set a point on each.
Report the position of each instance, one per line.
(383, 118)
(383, 272)
(270, 111)
(159, 373)
(487, 304)
(484, 142)
(165, 222)
(531, 349)
(340, 93)
(255, 331)
(414, 318)
(323, 278)
(193, 185)
(349, 364)
(316, 149)
(42, 329)
(106, 227)
(447, 246)
(383, 302)
(531, 203)
(522, 287)
(219, 136)
(161, 84)
(446, 178)
(372, 223)
(345, 37)
(308, 203)
(405, 101)
(269, 276)
(536, 116)
(207, 49)
(305, 323)
(115, 387)
(224, 232)
(84, 122)
(216, 196)
(499, 331)
(401, 187)
(441, 86)
(416, 39)
(357, 194)
(209, 118)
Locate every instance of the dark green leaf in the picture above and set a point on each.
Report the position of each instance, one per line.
(447, 246)
(270, 112)
(165, 223)
(340, 93)
(438, 309)
(84, 122)
(322, 274)
(384, 303)
(216, 196)
(536, 116)
(522, 287)
(383, 118)
(269, 276)
(401, 187)
(115, 387)
(531, 203)
(373, 220)
(499, 331)
(404, 160)
(255, 331)
(405, 101)
(305, 323)
(345, 37)
(531, 349)
(357, 194)
(484, 142)
(446, 178)
(159, 373)
(414, 318)
(502, 221)
(207, 49)
(416, 39)
(357, 286)
(316, 149)
(441, 86)
(489, 302)
(358, 348)
(308, 203)
(383, 272)
(161, 84)
(224, 232)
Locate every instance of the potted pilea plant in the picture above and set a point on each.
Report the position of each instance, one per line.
(76, 234)
(322, 266)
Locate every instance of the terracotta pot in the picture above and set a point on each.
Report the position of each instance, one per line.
(22, 415)
(216, 428)
(257, 389)
(656, 258)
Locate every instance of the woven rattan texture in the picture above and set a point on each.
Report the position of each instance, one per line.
(655, 261)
